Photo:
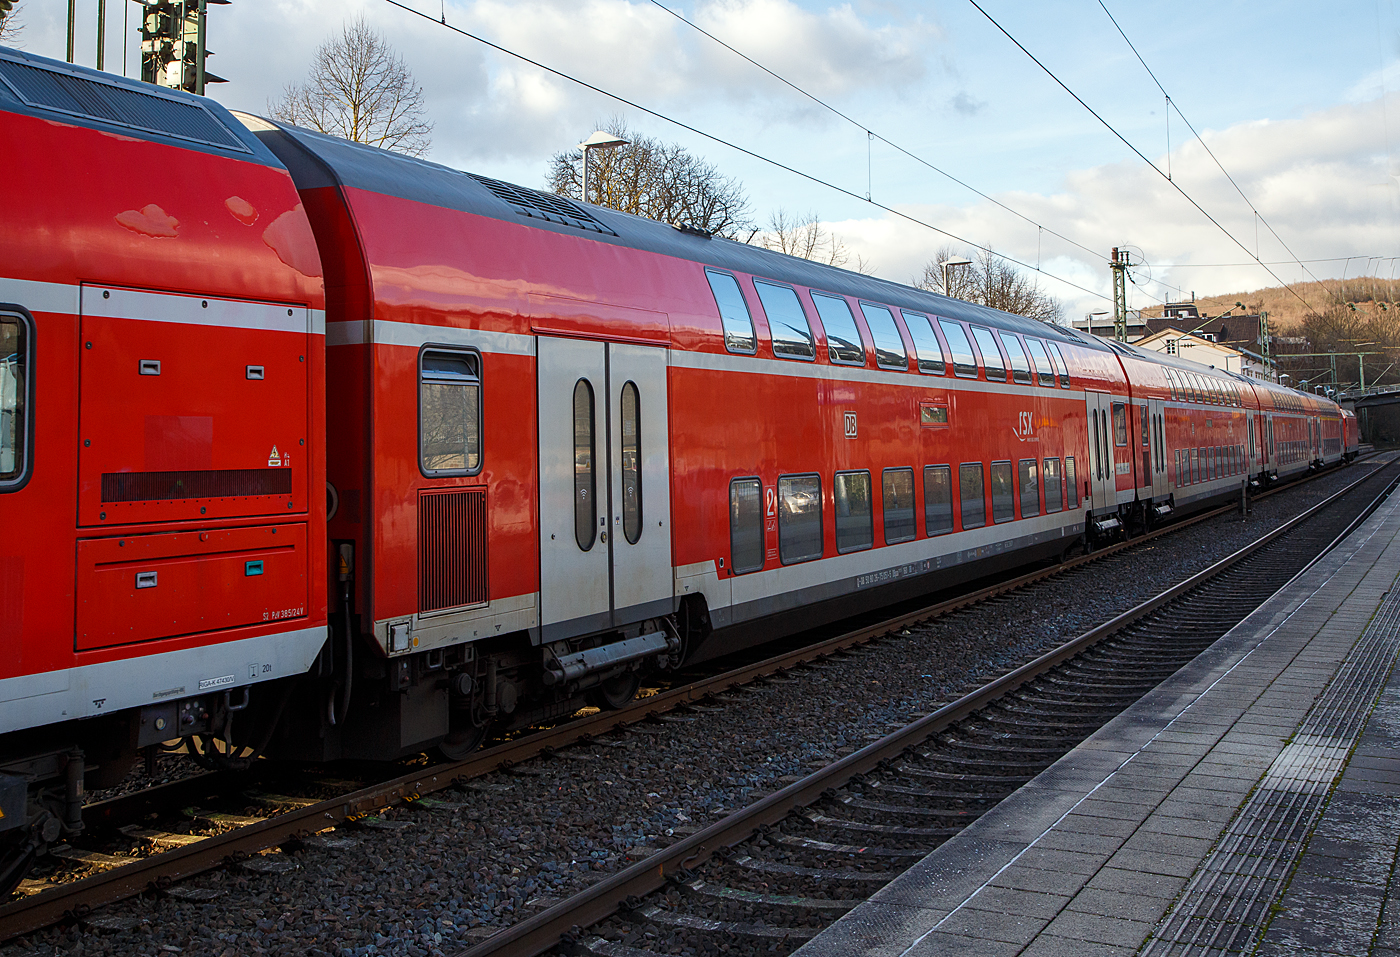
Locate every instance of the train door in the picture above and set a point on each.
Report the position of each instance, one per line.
(1156, 409)
(1102, 477)
(605, 549)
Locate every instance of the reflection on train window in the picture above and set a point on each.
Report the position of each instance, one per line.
(938, 499)
(631, 463)
(14, 398)
(842, 337)
(792, 333)
(1071, 483)
(1054, 495)
(585, 488)
(889, 345)
(1030, 487)
(733, 313)
(1120, 425)
(1003, 493)
(898, 501)
(991, 355)
(1020, 365)
(926, 348)
(1179, 479)
(971, 495)
(964, 362)
(799, 518)
(449, 412)
(855, 518)
(1061, 367)
(1044, 369)
(745, 525)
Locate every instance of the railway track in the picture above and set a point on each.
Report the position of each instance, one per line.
(212, 821)
(771, 876)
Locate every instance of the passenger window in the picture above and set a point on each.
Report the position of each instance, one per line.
(971, 495)
(889, 346)
(898, 501)
(792, 333)
(1044, 369)
(1142, 420)
(1171, 382)
(733, 312)
(991, 355)
(1120, 424)
(585, 488)
(842, 337)
(1030, 487)
(1071, 483)
(449, 412)
(799, 518)
(1020, 366)
(964, 362)
(1054, 494)
(14, 398)
(855, 519)
(938, 499)
(631, 463)
(746, 525)
(926, 348)
(1059, 357)
(1003, 493)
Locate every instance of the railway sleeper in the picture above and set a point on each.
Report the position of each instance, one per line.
(704, 890)
(963, 815)
(662, 917)
(899, 830)
(813, 873)
(924, 794)
(814, 845)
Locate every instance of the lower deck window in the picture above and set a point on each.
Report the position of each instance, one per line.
(971, 495)
(1030, 487)
(938, 499)
(855, 520)
(14, 395)
(1071, 482)
(449, 412)
(799, 518)
(746, 525)
(898, 500)
(1003, 493)
(1054, 500)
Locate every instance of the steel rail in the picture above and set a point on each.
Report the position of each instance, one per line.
(538, 934)
(77, 899)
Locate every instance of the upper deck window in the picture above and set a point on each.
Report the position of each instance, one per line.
(964, 362)
(14, 398)
(842, 337)
(733, 312)
(926, 348)
(1020, 366)
(1063, 370)
(792, 333)
(449, 412)
(1044, 369)
(991, 355)
(889, 346)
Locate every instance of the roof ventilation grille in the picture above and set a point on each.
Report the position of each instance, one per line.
(538, 205)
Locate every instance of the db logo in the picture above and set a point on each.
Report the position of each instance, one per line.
(850, 425)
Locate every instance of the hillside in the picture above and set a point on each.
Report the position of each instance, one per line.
(1286, 312)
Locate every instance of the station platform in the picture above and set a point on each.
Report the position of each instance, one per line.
(1250, 804)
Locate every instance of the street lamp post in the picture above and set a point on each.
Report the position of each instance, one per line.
(599, 140)
(947, 289)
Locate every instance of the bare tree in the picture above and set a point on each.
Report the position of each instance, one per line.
(804, 236)
(658, 180)
(989, 281)
(10, 25)
(360, 89)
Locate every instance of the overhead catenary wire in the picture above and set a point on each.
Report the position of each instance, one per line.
(1137, 152)
(810, 177)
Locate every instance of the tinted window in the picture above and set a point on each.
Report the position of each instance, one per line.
(1120, 424)
(991, 355)
(971, 495)
(799, 518)
(842, 336)
(1003, 493)
(792, 333)
(898, 501)
(926, 348)
(733, 312)
(1063, 369)
(855, 521)
(585, 499)
(889, 346)
(14, 398)
(449, 413)
(1071, 483)
(746, 524)
(1030, 487)
(938, 499)
(1044, 370)
(631, 415)
(1054, 498)
(1020, 366)
(964, 363)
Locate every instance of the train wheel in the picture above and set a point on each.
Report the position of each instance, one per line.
(616, 691)
(461, 743)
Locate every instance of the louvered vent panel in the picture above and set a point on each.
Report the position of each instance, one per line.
(152, 112)
(532, 202)
(451, 549)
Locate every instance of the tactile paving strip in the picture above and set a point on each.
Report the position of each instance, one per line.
(1223, 909)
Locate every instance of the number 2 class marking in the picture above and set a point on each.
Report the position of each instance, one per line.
(770, 498)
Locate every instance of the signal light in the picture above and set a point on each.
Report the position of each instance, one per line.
(173, 51)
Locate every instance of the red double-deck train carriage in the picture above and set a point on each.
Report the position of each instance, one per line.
(560, 446)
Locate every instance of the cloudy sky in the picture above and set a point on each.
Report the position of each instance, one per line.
(1300, 102)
